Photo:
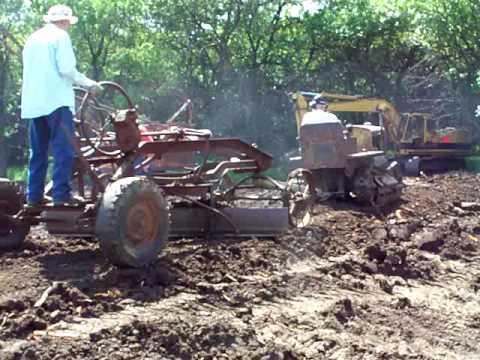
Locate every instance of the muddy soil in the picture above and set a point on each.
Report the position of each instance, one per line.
(356, 284)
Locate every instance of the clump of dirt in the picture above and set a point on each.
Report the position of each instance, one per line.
(59, 302)
(342, 311)
(354, 284)
(204, 338)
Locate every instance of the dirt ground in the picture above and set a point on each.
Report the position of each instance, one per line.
(354, 285)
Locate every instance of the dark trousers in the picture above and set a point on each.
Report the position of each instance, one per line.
(55, 130)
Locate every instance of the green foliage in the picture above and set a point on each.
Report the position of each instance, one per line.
(238, 60)
(17, 173)
(450, 29)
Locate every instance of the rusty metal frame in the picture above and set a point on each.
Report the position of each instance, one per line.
(198, 186)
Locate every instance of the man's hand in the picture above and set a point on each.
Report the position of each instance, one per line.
(95, 89)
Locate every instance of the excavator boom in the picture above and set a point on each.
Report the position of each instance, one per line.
(355, 103)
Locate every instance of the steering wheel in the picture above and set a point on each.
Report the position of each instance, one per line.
(95, 116)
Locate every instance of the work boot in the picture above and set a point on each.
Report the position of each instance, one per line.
(39, 203)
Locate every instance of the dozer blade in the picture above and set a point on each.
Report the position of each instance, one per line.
(186, 222)
(236, 222)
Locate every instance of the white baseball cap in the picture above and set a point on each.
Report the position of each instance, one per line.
(59, 13)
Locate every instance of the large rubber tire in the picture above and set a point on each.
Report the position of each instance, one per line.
(132, 222)
(11, 202)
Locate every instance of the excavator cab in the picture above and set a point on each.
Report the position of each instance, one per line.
(421, 129)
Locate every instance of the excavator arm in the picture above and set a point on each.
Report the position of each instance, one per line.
(354, 103)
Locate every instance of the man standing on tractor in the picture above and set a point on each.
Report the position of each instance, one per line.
(48, 101)
(319, 113)
(324, 146)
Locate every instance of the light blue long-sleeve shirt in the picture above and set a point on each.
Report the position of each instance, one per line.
(49, 72)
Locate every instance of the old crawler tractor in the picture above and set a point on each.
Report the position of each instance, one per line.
(138, 189)
(334, 163)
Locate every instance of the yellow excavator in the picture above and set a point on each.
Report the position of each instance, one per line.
(414, 138)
